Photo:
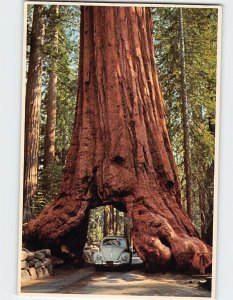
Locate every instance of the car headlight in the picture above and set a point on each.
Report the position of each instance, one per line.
(125, 257)
(98, 257)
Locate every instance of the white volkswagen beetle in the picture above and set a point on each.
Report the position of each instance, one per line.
(113, 251)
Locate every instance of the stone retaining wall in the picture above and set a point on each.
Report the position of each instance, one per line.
(88, 253)
(35, 265)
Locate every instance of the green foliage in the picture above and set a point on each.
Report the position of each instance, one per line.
(29, 32)
(49, 180)
(67, 24)
(200, 30)
(67, 70)
(97, 220)
(96, 224)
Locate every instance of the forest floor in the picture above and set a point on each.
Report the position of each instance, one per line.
(115, 282)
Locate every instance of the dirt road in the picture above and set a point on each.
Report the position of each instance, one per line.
(131, 282)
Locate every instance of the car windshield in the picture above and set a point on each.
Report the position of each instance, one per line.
(114, 242)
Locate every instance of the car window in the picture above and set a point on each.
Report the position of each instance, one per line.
(114, 242)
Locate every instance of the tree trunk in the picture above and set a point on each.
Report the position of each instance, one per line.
(116, 222)
(120, 150)
(112, 219)
(49, 150)
(32, 111)
(127, 228)
(202, 208)
(185, 114)
(207, 206)
(105, 227)
(109, 220)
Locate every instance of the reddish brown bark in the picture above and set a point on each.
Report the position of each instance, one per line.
(32, 110)
(120, 151)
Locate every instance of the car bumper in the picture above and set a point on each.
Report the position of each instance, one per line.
(111, 263)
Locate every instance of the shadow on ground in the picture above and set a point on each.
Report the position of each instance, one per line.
(114, 281)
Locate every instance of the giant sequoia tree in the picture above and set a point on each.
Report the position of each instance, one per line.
(120, 152)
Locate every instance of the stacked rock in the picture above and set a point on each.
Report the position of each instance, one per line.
(35, 265)
(88, 253)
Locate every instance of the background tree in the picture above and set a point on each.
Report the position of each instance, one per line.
(32, 110)
(100, 224)
(59, 84)
(185, 117)
(200, 32)
(51, 103)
